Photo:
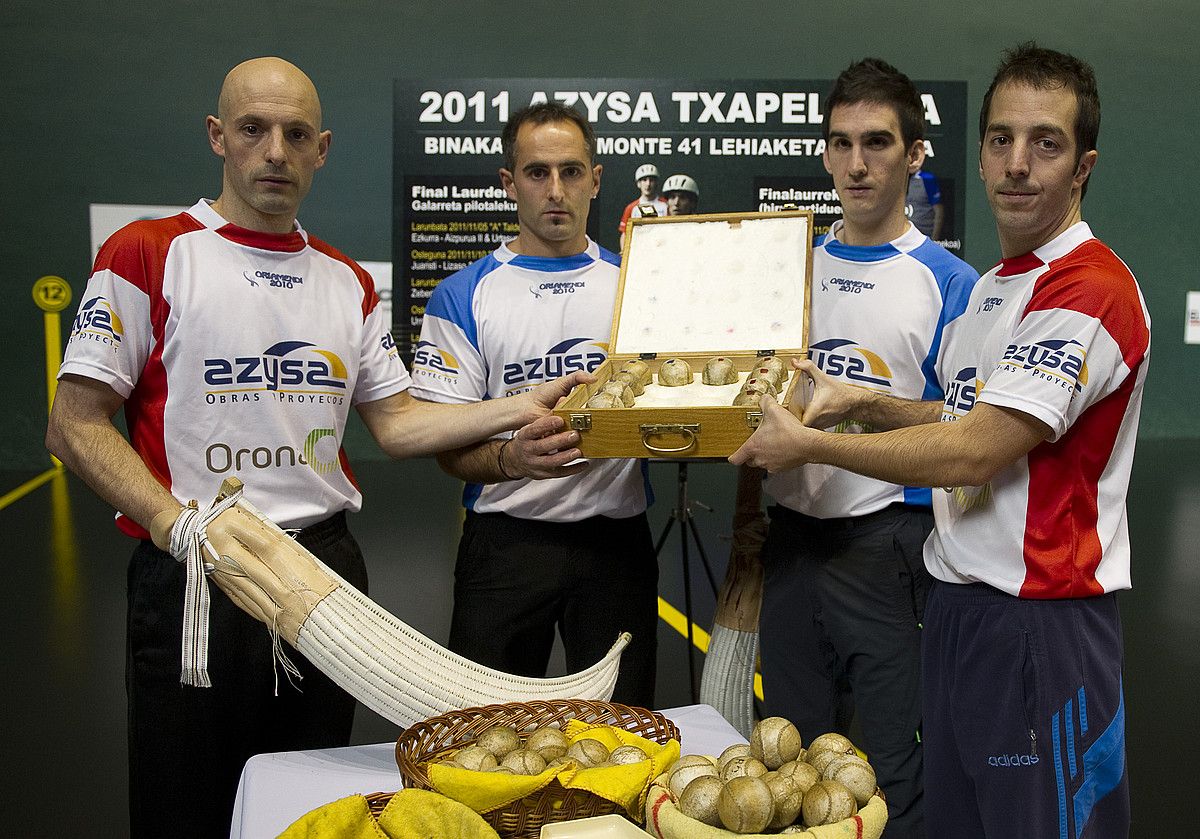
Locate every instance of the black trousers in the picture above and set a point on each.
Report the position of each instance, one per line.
(518, 580)
(187, 745)
(843, 602)
(1026, 716)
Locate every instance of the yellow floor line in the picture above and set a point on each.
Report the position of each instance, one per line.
(675, 619)
(27, 487)
(678, 621)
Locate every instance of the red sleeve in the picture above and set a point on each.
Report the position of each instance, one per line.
(1093, 281)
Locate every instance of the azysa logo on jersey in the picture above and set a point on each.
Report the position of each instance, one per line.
(989, 303)
(290, 370)
(319, 452)
(272, 279)
(96, 321)
(843, 358)
(961, 393)
(565, 357)
(436, 363)
(389, 345)
(848, 286)
(1062, 361)
(565, 287)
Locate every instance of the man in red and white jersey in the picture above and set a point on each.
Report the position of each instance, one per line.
(646, 178)
(236, 344)
(1022, 696)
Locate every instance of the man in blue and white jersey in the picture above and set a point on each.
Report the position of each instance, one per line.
(572, 554)
(924, 204)
(844, 582)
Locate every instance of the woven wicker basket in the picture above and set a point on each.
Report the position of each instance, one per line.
(430, 740)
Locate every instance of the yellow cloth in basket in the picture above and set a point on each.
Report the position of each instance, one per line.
(410, 814)
(623, 785)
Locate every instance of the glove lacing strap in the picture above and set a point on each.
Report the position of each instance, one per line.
(190, 545)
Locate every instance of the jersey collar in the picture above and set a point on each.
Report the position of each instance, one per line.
(589, 255)
(907, 241)
(292, 242)
(1059, 246)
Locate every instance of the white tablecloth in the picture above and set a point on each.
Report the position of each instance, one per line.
(276, 789)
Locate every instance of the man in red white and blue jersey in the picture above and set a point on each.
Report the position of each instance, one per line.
(1023, 708)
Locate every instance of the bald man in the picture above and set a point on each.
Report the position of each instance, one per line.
(236, 344)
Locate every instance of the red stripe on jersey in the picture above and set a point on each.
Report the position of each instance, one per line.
(370, 296)
(137, 253)
(345, 461)
(1018, 265)
(280, 242)
(1062, 547)
(1091, 280)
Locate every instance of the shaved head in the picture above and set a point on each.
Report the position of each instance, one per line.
(268, 130)
(281, 78)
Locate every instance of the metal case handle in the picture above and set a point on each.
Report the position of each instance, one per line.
(690, 432)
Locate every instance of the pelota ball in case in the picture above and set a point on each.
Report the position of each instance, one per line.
(675, 372)
(719, 371)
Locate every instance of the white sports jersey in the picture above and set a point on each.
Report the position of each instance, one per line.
(503, 325)
(876, 319)
(238, 353)
(1061, 334)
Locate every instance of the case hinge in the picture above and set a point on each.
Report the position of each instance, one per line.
(647, 356)
(581, 422)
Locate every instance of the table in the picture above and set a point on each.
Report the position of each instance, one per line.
(276, 789)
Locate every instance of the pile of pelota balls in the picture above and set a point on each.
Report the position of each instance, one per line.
(503, 749)
(774, 784)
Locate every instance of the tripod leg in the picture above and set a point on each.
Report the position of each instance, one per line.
(687, 600)
(708, 572)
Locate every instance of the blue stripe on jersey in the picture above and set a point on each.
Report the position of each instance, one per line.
(471, 493)
(452, 299)
(954, 279)
(551, 264)
(609, 257)
(858, 253)
(918, 496)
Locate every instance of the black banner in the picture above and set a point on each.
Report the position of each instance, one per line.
(749, 144)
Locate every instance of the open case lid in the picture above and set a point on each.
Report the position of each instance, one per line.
(727, 282)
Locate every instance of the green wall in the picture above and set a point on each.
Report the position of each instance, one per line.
(106, 105)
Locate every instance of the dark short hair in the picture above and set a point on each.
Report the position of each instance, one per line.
(540, 114)
(874, 80)
(1047, 69)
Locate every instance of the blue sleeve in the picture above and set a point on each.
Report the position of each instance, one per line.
(932, 191)
(451, 300)
(954, 279)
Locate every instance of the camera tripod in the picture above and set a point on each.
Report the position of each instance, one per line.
(683, 514)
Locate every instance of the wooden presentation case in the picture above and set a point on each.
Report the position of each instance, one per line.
(694, 287)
